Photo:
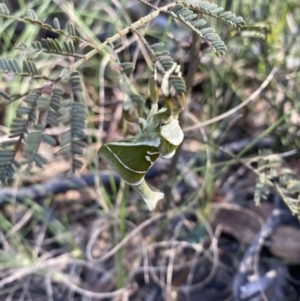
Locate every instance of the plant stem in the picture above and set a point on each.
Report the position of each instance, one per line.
(194, 59)
(119, 35)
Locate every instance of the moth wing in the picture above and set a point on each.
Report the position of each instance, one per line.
(171, 136)
(172, 132)
(130, 160)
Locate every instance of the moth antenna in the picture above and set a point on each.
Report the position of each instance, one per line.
(150, 197)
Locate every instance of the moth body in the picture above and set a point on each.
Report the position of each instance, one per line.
(149, 196)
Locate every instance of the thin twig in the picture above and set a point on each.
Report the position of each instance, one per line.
(237, 108)
(120, 34)
(148, 4)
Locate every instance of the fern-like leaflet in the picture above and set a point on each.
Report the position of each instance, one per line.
(73, 112)
(186, 12)
(272, 177)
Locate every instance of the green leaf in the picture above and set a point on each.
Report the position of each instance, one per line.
(40, 160)
(64, 150)
(49, 139)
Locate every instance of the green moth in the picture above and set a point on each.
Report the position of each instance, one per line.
(131, 160)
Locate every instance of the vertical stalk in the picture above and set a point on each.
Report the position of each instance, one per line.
(193, 66)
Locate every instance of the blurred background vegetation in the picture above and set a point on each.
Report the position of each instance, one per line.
(101, 242)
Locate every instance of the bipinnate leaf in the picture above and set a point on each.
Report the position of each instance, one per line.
(8, 164)
(32, 144)
(186, 16)
(186, 12)
(73, 112)
(215, 11)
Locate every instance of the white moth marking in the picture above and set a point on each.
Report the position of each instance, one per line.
(149, 159)
(136, 183)
(128, 168)
(152, 153)
(168, 156)
(154, 143)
